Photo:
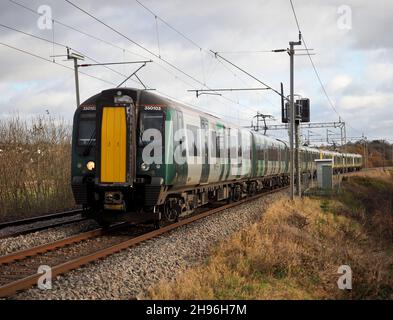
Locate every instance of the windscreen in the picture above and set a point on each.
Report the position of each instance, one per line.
(150, 120)
(87, 128)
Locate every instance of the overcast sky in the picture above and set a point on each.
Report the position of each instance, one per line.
(352, 42)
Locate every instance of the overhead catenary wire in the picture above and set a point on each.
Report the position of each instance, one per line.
(88, 57)
(58, 22)
(144, 48)
(194, 44)
(94, 77)
(169, 26)
(249, 74)
(246, 51)
(133, 41)
(98, 39)
(78, 30)
(61, 45)
(157, 17)
(50, 61)
(70, 68)
(95, 38)
(32, 11)
(294, 13)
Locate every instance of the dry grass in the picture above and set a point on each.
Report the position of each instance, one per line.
(385, 174)
(369, 199)
(34, 167)
(294, 253)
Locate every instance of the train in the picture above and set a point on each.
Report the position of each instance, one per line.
(139, 157)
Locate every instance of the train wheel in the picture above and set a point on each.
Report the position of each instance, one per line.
(170, 214)
(172, 211)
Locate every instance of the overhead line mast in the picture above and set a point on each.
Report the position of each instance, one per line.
(294, 125)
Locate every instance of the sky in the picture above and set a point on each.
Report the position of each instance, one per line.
(351, 40)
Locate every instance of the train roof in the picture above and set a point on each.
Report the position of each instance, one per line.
(335, 153)
(146, 97)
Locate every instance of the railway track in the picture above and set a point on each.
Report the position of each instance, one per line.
(24, 226)
(39, 218)
(18, 271)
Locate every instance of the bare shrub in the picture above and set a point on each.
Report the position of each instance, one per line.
(34, 166)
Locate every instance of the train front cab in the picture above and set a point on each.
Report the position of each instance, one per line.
(127, 188)
(115, 127)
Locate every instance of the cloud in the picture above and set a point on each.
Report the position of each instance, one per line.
(338, 83)
(365, 102)
(355, 65)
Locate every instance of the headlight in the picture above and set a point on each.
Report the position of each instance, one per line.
(145, 166)
(90, 165)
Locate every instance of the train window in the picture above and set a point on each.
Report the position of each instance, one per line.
(240, 149)
(87, 128)
(273, 153)
(259, 153)
(261, 149)
(214, 144)
(150, 120)
(220, 144)
(193, 141)
(234, 147)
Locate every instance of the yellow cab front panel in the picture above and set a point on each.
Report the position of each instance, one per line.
(113, 145)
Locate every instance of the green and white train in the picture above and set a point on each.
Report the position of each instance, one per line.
(139, 157)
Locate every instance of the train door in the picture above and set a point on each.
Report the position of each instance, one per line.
(266, 155)
(240, 151)
(179, 146)
(246, 142)
(228, 162)
(113, 145)
(214, 154)
(235, 153)
(205, 151)
(222, 151)
(254, 155)
(272, 158)
(261, 166)
(193, 149)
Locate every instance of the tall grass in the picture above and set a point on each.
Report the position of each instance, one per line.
(34, 166)
(295, 250)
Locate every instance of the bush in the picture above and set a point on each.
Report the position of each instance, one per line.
(34, 167)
